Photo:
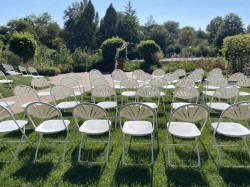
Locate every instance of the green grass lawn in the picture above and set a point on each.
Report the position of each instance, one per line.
(51, 171)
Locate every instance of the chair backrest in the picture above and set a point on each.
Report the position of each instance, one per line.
(89, 111)
(214, 76)
(237, 111)
(148, 91)
(22, 69)
(99, 82)
(236, 77)
(43, 111)
(39, 82)
(103, 91)
(185, 82)
(158, 82)
(144, 77)
(62, 92)
(74, 76)
(244, 82)
(95, 76)
(32, 70)
(95, 71)
(219, 82)
(158, 73)
(216, 71)
(2, 74)
(199, 71)
(118, 75)
(136, 72)
(227, 92)
(71, 83)
(136, 111)
(23, 91)
(6, 113)
(196, 77)
(180, 72)
(170, 77)
(129, 83)
(190, 113)
(186, 93)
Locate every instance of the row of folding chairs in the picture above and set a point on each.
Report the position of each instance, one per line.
(136, 119)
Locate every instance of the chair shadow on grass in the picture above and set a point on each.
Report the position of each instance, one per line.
(131, 175)
(83, 173)
(183, 176)
(34, 171)
(235, 176)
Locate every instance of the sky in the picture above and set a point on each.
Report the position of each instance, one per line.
(194, 13)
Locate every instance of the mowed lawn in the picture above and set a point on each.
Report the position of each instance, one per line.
(49, 170)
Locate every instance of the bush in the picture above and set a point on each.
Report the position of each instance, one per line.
(149, 51)
(49, 71)
(11, 58)
(23, 44)
(109, 48)
(236, 50)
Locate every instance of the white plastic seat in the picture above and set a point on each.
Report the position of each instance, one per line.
(96, 122)
(77, 78)
(182, 124)
(41, 83)
(34, 72)
(50, 121)
(130, 85)
(5, 80)
(65, 95)
(243, 83)
(180, 73)
(74, 85)
(117, 76)
(106, 97)
(10, 124)
(232, 123)
(139, 121)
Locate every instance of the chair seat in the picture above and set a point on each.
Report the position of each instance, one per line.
(218, 106)
(24, 75)
(208, 93)
(25, 104)
(231, 129)
(107, 104)
(170, 87)
(77, 87)
(118, 86)
(128, 93)
(137, 128)
(5, 81)
(37, 76)
(7, 104)
(244, 94)
(52, 126)
(152, 105)
(177, 105)
(13, 73)
(77, 93)
(184, 130)
(95, 126)
(162, 93)
(211, 87)
(67, 104)
(43, 94)
(10, 125)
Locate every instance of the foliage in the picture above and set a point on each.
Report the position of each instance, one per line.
(147, 49)
(84, 61)
(109, 48)
(9, 57)
(49, 71)
(186, 36)
(80, 25)
(236, 50)
(23, 44)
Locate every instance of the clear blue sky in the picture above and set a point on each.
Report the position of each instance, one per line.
(195, 13)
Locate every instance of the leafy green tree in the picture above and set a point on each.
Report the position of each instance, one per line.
(248, 29)
(213, 29)
(19, 25)
(187, 36)
(23, 44)
(80, 25)
(172, 27)
(128, 25)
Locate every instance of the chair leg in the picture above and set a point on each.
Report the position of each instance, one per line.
(18, 147)
(244, 139)
(38, 145)
(198, 152)
(65, 146)
(217, 150)
(80, 148)
(152, 148)
(169, 163)
(107, 154)
(123, 139)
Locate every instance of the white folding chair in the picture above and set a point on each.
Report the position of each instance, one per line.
(9, 124)
(185, 82)
(181, 73)
(99, 82)
(41, 83)
(117, 76)
(77, 78)
(107, 95)
(23, 71)
(131, 86)
(243, 83)
(96, 122)
(233, 123)
(5, 81)
(158, 73)
(34, 72)
(235, 77)
(139, 121)
(183, 124)
(50, 121)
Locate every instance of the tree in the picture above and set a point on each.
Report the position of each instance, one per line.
(128, 25)
(213, 29)
(187, 36)
(80, 25)
(19, 25)
(23, 44)
(248, 29)
(172, 27)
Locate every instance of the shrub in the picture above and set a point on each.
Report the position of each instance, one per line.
(109, 48)
(49, 71)
(11, 58)
(23, 44)
(236, 50)
(149, 51)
